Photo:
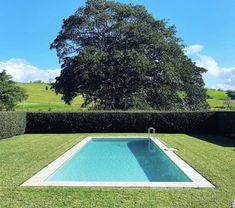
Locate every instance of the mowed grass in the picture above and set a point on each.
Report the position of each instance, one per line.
(40, 99)
(23, 156)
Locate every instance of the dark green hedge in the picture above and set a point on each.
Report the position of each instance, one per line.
(12, 123)
(226, 123)
(187, 122)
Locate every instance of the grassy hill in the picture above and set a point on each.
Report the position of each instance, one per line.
(216, 100)
(40, 99)
(218, 95)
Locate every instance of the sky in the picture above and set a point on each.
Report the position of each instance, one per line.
(207, 28)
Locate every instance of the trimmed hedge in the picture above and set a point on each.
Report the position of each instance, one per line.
(168, 122)
(226, 123)
(12, 123)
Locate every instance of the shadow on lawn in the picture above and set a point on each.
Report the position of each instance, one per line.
(216, 139)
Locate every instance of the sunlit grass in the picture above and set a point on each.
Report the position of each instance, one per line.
(42, 98)
(218, 95)
(23, 156)
(220, 105)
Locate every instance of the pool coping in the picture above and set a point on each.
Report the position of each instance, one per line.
(198, 181)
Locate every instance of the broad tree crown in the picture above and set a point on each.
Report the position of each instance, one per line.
(118, 56)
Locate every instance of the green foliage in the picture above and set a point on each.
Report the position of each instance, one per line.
(119, 57)
(231, 94)
(199, 122)
(37, 81)
(123, 121)
(10, 94)
(226, 123)
(12, 123)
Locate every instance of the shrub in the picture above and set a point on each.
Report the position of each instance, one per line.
(12, 123)
(168, 122)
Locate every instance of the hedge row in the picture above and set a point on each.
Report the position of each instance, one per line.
(186, 122)
(226, 123)
(12, 123)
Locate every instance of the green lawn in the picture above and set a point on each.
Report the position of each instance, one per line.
(23, 156)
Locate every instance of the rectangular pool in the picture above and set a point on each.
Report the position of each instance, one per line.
(121, 161)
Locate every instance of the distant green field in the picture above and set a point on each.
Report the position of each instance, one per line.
(218, 95)
(40, 99)
(219, 104)
(216, 100)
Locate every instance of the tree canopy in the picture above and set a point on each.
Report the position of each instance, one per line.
(231, 94)
(10, 94)
(119, 57)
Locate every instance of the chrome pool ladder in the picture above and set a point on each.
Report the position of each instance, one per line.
(150, 144)
(149, 131)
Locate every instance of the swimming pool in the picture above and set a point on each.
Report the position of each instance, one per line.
(119, 161)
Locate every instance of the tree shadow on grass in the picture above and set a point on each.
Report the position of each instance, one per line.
(216, 139)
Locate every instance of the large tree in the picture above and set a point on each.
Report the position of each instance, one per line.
(10, 94)
(119, 57)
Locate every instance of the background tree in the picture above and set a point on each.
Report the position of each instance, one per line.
(10, 94)
(228, 102)
(231, 94)
(119, 57)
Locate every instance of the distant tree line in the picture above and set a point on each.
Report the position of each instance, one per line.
(231, 94)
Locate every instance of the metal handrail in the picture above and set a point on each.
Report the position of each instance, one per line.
(149, 131)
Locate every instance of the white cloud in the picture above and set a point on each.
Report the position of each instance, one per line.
(224, 86)
(229, 78)
(208, 63)
(193, 49)
(228, 71)
(221, 77)
(22, 71)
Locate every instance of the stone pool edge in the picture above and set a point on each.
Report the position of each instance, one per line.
(198, 181)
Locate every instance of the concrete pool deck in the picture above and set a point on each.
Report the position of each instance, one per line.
(39, 179)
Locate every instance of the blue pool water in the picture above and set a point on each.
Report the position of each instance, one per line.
(139, 160)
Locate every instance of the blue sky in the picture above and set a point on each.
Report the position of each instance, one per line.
(206, 26)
